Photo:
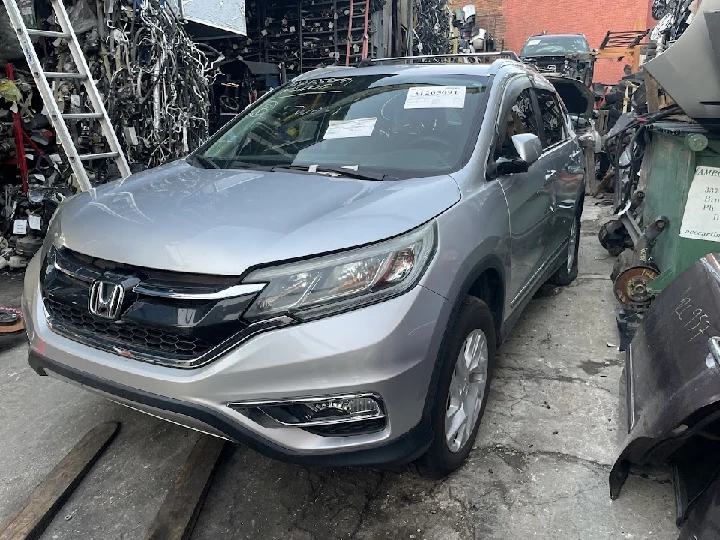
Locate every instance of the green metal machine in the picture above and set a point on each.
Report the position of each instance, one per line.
(677, 153)
(671, 218)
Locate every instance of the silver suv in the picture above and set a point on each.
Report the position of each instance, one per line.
(327, 280)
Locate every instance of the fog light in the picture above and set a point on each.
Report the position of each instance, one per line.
(343, 407)
(325, 411)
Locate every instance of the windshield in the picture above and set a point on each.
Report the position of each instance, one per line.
(540, 45)
(399, 125)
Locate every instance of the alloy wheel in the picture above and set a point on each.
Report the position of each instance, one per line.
(467, 390)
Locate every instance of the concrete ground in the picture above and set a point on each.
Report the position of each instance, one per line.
(539, 468)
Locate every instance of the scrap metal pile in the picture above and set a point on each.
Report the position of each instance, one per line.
(33, 202)
(154, 79)
(155, 84)
(656, 105)
(432, 27)
(674, 18)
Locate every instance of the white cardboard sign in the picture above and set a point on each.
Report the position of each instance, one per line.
(435, 97)
(20, 226)
(702, 211)
(347, 129)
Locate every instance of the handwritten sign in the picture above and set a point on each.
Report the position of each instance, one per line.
(435, 97)
(702, 211)
(697, 322)
(20, 226)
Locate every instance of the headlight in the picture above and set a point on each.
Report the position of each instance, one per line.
(343, 281)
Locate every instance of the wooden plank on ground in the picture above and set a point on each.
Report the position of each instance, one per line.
(181, 507)
(58, 485)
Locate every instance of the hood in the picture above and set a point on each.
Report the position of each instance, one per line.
(578, 98)
(185, 219)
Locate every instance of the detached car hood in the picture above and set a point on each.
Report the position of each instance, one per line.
(185, 219)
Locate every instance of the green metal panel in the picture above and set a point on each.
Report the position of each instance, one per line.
(673, 160)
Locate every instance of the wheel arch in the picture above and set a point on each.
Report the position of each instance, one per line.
(487, 272)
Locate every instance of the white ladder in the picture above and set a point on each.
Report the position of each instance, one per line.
(56, 117)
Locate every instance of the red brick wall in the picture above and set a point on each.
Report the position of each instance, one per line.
(519, 19)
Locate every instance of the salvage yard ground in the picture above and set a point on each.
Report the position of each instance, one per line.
(539, 468)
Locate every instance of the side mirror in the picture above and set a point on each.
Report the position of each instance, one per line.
(528, 147)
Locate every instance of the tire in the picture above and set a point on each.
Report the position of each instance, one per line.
(569, 270)
(440, 460)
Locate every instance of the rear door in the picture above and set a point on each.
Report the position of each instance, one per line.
(564, 168)
(527, 193)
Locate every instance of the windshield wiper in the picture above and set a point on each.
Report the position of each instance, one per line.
(204, 161)
(333, 171)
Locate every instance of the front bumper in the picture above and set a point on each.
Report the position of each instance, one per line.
(388, 349)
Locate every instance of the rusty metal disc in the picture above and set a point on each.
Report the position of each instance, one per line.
(11, 321)
(631, 287)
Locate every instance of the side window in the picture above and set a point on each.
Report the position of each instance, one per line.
(521, 119)
(552, 118)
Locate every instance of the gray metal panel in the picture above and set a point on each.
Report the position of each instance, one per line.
(712, 18)
(692, 59)
(223, 14)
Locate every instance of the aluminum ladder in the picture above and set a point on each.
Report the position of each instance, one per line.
(56, 117)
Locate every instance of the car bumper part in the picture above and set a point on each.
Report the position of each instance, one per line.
(670, 389)
(386, 350)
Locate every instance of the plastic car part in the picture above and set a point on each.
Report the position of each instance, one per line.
(669, 399)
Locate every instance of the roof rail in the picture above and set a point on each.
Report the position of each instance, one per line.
(469, 58)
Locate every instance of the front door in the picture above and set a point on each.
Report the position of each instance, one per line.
(529, 194)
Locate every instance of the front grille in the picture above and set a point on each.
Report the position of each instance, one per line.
(144, 340)
(185, 330)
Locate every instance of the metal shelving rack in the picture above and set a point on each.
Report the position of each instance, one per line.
(306, 34)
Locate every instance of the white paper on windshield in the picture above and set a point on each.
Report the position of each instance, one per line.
(348, 129)
(534, 42)
(435, 97)
(702, 211)
(20, 226)
(34, 222)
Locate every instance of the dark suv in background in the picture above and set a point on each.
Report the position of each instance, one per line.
(562, 54)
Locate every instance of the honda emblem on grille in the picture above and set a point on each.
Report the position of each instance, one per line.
(106, 299)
